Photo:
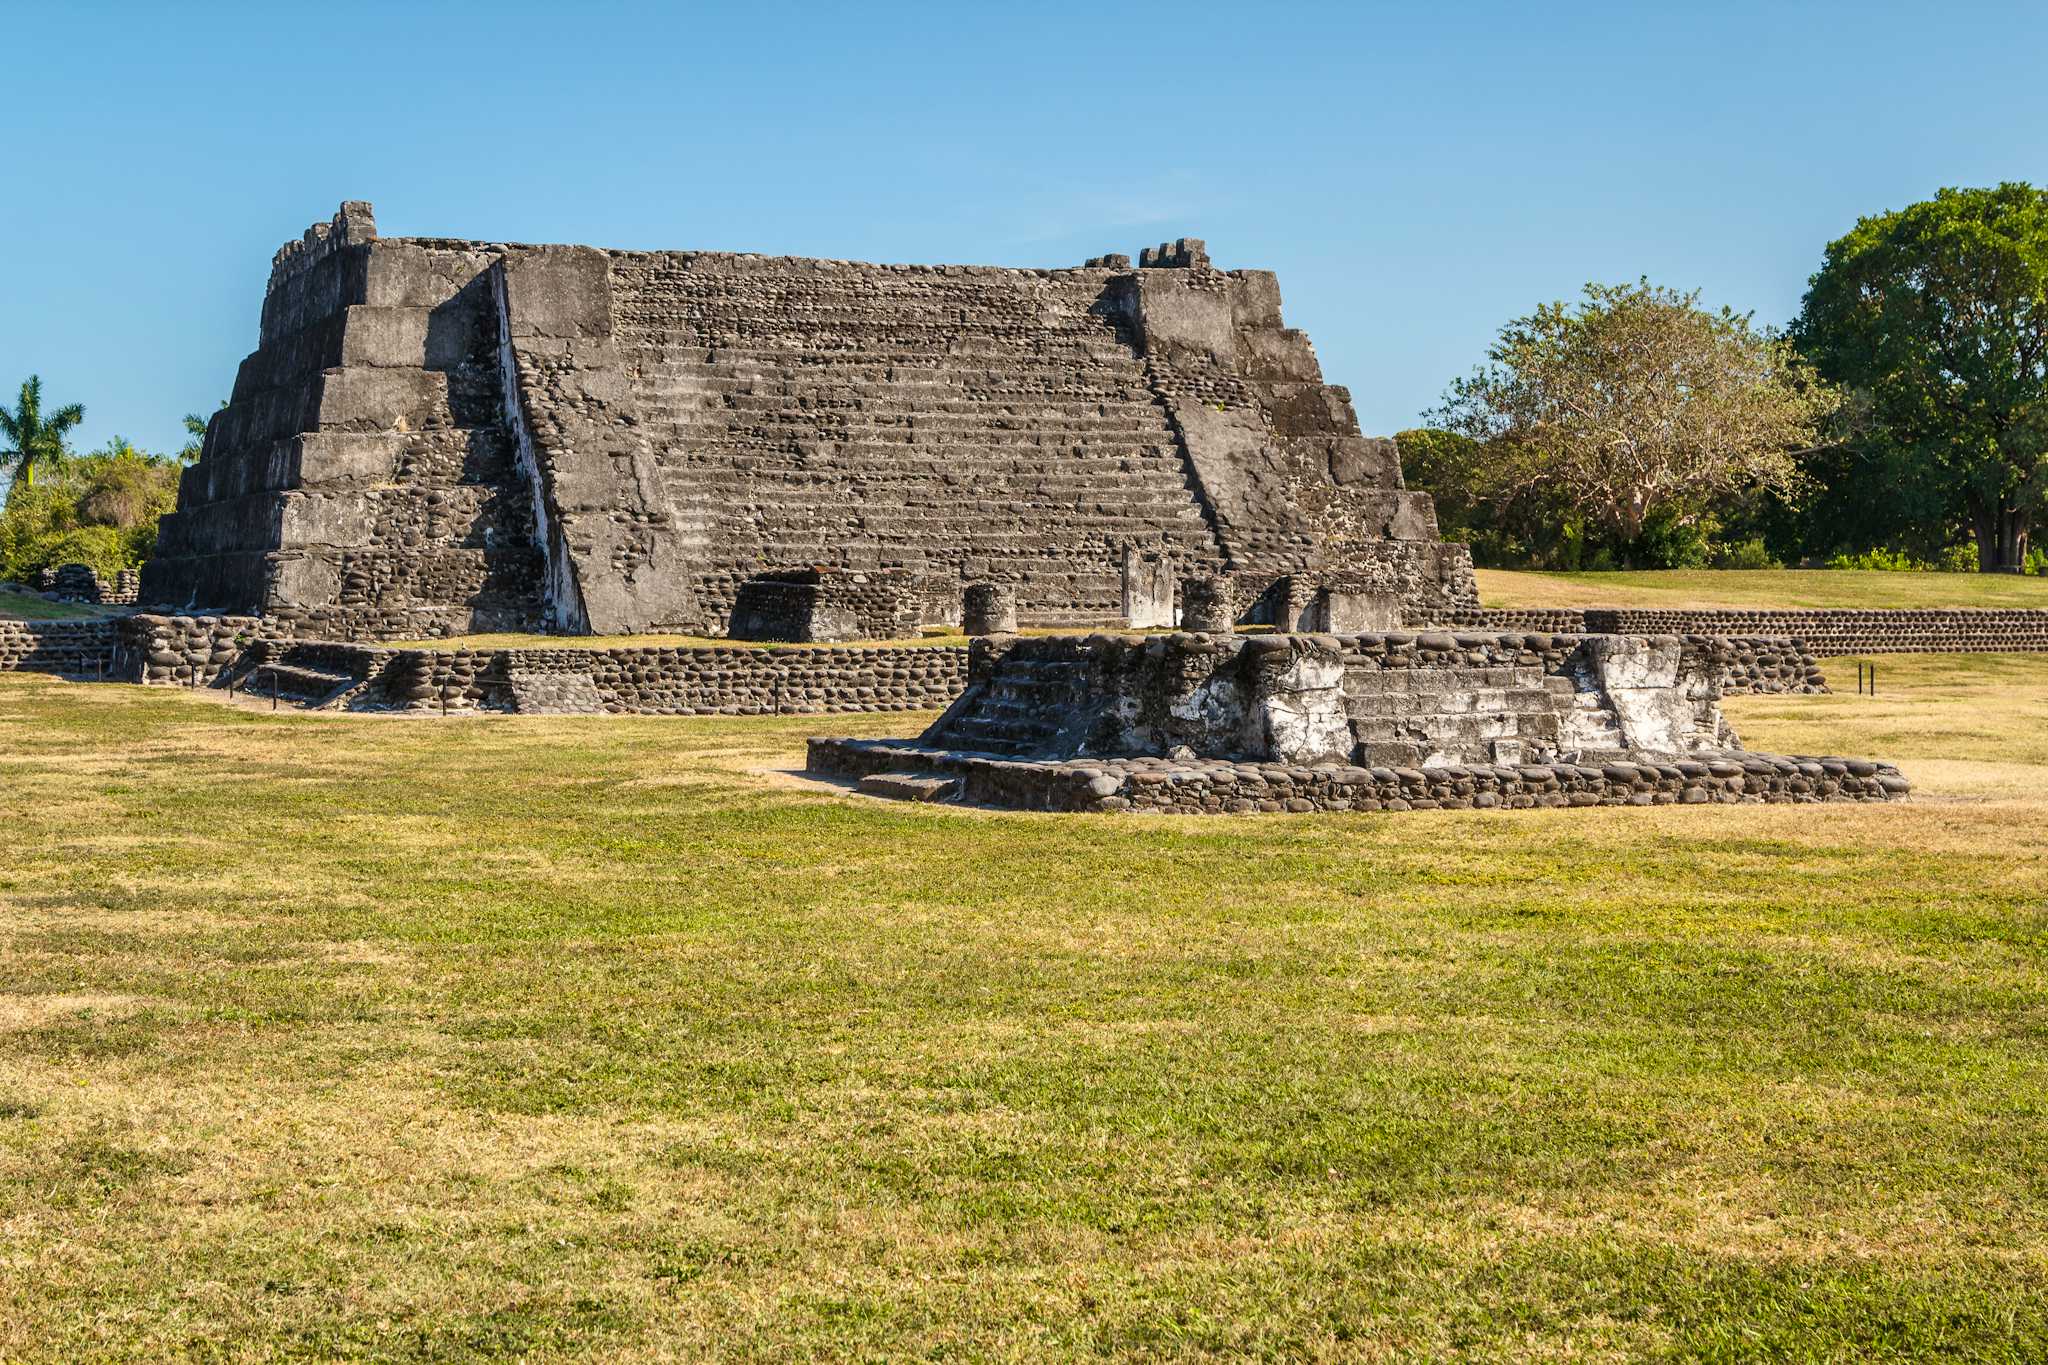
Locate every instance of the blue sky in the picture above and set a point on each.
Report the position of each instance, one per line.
(1416, 174)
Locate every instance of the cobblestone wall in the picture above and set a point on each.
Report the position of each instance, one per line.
(82, 583)
(188, 650)
(1163, 786)
(703, 680)
(80, 648)
(1827, 631)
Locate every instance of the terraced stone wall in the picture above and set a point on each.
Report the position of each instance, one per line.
(693, 681)
(436, 437)
(79, 648)
(361, 482)
(1825, 631)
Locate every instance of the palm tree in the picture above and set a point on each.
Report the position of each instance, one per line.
(35, 441)
(195, 432)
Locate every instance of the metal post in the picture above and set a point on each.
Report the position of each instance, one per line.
(444, 699)
(273, 689)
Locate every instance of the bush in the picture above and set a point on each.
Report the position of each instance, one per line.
(1743, 554)
(1953, 559)
(100, 510)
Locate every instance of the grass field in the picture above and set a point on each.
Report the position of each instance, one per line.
(18, 606)
(359, 1037)
(1759, 588)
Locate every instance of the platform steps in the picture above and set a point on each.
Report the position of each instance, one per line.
(306, 687)
(306, 675)
(910, 786)
(1020, 712)
(1499, 715)
(1590, 728)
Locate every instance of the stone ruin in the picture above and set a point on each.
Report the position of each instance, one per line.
(82, 583)
(436, 437)
(439, 437)
(1229, 722)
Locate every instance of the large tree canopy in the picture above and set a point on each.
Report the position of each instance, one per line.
(1935, 317)
(1636, 405)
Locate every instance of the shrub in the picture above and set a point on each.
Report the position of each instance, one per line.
(1953, 559)
(100, 510)
(1743, 554)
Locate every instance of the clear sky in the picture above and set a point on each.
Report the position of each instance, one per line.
(1417, 174)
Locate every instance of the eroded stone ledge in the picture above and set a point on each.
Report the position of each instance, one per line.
(1206, 787)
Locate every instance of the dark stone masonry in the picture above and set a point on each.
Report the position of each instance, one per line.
(1823, 631)
(77, 648)
(82, 583)
(1220, 723)
(1197, 787)
(439, 437)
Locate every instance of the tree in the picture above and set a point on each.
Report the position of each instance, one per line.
(35, 441)
(1637, 408)
(195, 431)
(1935, 317)
(1506, 526)
(100, 509)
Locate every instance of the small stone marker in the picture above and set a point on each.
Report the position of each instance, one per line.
(989, 609)
(1208, 604)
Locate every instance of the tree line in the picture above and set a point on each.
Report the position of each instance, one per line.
(99, 508)
(1900, 421)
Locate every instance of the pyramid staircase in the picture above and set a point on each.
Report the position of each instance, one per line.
(973, 420)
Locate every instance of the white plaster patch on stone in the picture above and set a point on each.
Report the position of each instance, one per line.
(1303, 716)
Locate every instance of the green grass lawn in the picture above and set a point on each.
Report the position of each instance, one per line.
(17, 606)
(1759, 588)
(360, 1037)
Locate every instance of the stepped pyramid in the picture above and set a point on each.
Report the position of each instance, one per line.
(437, 437)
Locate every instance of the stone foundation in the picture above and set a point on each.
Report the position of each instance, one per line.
(1394, 720)
(1824, 631)
(1167, 787)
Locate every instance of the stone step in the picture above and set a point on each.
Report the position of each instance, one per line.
(1482, 700)
(296, 681)
(1079, 365)
(910, 786)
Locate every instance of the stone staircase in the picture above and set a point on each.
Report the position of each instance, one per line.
(314, 675)
(1028, 708)
(1430, 716)
(1590, 728)
(997, 414)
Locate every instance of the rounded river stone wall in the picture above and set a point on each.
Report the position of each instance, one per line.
(1826, 631)
(1209, 787)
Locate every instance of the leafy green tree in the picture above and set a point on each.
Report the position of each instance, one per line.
(1935, 318)
(1636, 410)
(100, 509)
(34, 441)
(1506, 523)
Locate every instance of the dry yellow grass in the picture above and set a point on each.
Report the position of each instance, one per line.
(326, 1037)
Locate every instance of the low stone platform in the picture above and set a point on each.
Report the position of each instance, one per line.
(1210, 787)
